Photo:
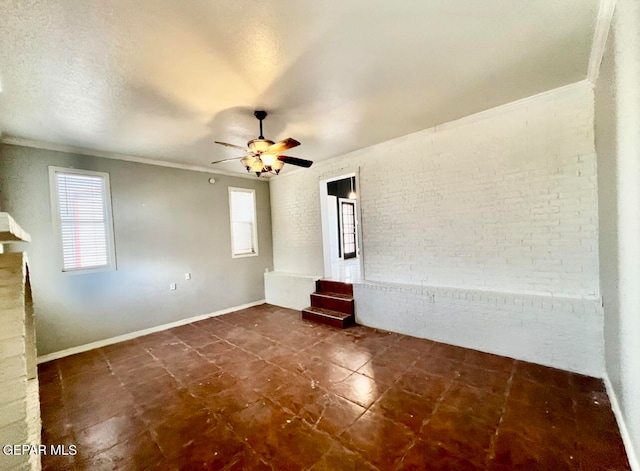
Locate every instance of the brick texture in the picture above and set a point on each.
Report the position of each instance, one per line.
(19, 411)
(499, 206)
(564, 333)
(507, 202)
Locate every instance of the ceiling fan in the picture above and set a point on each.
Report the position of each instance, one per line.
(264, 155)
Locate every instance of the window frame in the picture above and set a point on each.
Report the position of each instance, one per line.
(256, 251)
(57, 223)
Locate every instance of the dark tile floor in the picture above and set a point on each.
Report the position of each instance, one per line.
(263, 389)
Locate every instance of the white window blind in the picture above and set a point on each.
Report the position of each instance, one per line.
(242, 205)
(82, 210)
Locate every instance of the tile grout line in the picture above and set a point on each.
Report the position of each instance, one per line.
(507, 391)
(368, 408)
(426, 421)
(89, 366)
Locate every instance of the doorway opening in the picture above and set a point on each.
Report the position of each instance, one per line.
(340, 213)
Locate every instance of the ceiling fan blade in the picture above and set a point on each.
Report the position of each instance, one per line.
(231, 145)
(227, 160)
(282, 146)
(295, 161)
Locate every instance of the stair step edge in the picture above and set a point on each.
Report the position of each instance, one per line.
(328, 294)
(337, 286)
(327, 313)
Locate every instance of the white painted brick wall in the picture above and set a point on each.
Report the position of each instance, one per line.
(497, 210)
(563, 333)
(295, 223)
(19, 403)
(505, 202)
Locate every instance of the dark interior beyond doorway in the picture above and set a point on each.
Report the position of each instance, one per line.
(341, 189)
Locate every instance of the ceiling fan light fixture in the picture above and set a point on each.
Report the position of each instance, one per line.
(265, 155)
(269, 159)
(257, 166)
(277, 165)
(247, 162)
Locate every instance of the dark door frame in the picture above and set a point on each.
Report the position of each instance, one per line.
(348, 229)
(324, 217)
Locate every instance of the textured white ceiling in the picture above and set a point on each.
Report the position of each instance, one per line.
(164, 79)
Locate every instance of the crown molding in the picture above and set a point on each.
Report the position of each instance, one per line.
(500, 109)
(469, 119)
(19, 141)
(600, 34)
(512, 105)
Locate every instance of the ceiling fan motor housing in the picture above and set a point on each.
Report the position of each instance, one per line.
(258, 146)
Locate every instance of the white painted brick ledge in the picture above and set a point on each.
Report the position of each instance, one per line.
(565, 333)
(495, 298)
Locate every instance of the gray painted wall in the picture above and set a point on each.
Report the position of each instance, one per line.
(167, 222)
(617, 132)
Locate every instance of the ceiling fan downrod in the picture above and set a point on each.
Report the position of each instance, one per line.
(260, 114)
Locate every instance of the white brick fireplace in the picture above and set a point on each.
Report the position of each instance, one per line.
(19, 400)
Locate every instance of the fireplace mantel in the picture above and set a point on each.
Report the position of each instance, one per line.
(10, 231)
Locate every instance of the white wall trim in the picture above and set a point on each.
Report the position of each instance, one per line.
(254, 231)
(507, 107)
(601, 31)
(324, 219)
(140, 333)
(469, 119)
(54, 197)
(19, 141)
(622, 425)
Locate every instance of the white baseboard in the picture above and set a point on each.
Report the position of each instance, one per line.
(622, 425)
(140, 333)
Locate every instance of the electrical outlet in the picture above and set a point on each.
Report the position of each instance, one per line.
(172, 286)
(187, 276)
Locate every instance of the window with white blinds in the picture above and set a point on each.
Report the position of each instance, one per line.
(81, 204)
(244, 233)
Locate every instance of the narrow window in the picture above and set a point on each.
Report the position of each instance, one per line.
(244, 231)
(81, 204)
